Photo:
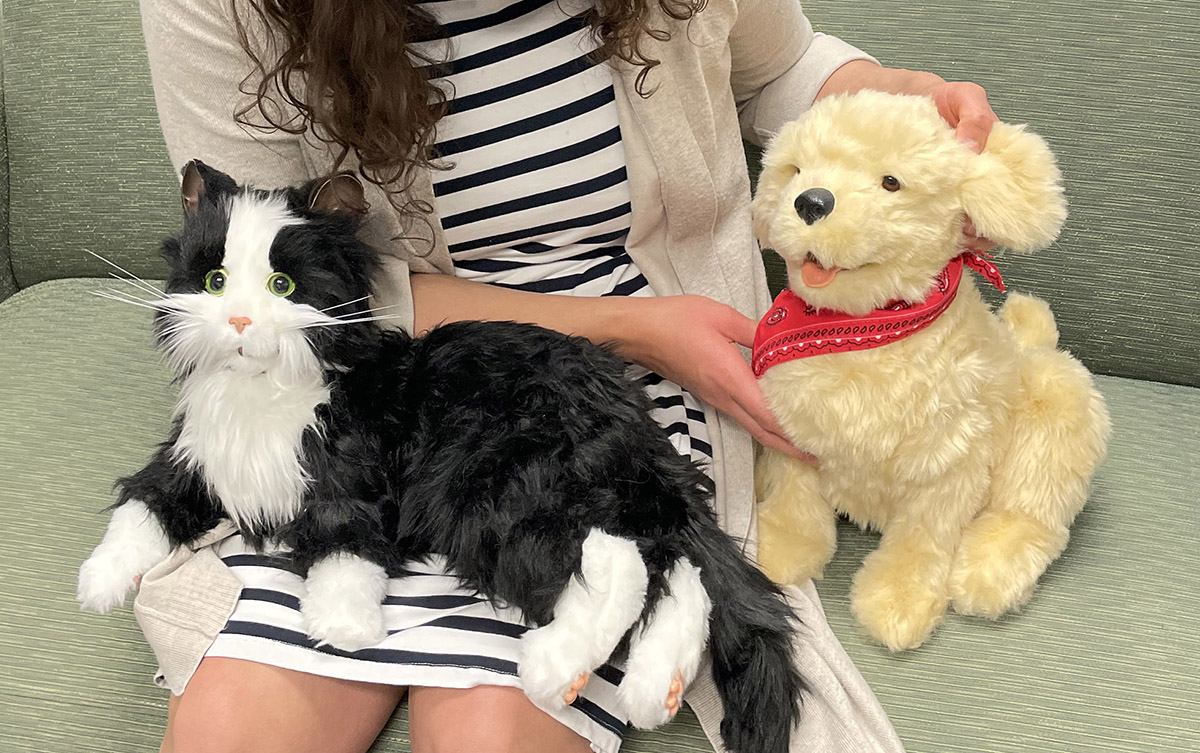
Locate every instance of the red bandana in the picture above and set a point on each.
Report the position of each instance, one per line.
(793, 329)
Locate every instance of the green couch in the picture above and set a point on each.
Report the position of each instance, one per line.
(1106, 657)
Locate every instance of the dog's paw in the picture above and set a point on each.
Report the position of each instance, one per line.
(343, 603)
(105, 579)
(999, 561)
(898, 606)
(792, 559)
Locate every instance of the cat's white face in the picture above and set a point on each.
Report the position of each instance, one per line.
(247, 317)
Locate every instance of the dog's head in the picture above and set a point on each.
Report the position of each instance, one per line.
(865, 197)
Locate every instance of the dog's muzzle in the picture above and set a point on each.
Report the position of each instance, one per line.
(814, 204)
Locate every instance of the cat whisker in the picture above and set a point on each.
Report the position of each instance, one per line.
(347, 321)
(152, 305)
(178, 327)
(370, 311)
(347, 303)
(137, 285)
(131, 275)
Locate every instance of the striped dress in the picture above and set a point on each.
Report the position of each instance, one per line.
(534, 198)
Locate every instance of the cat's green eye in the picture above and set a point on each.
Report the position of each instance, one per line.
(281, 285)
(214, 282)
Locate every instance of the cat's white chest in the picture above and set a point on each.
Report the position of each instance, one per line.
(244, 433)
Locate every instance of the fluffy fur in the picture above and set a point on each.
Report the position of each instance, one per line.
(970, 444)
(523, 456)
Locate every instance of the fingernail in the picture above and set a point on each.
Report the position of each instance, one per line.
(971, 144)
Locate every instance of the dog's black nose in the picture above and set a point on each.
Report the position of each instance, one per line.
(814, 204)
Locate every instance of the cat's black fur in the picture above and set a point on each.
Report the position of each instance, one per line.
(498, 445)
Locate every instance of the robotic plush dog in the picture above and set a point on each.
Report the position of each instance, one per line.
(966, 438)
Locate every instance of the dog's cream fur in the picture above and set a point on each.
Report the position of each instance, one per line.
(970, 445)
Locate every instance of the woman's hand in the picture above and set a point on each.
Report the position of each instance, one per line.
(693, 341)
(688, 339)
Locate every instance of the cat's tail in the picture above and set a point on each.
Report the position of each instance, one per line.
(751, 628)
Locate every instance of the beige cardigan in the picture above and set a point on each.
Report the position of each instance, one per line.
(742, 68)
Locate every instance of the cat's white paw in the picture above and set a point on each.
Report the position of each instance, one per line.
(133, 543)
(552, 667)
(664, 655)
(105, 578)
(591, 616)
(343, 604)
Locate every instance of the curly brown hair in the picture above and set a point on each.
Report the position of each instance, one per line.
(346, 68)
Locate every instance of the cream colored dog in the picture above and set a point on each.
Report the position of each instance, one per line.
(970, 443)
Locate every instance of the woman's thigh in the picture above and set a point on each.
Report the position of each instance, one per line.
(235, 705)
(485, 719)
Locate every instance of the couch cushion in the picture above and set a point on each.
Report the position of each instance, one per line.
(87, 165)
(8, 283)
(1104, 657)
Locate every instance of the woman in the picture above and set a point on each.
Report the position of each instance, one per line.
(605, 199)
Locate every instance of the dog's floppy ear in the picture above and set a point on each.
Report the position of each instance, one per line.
(1013, 191)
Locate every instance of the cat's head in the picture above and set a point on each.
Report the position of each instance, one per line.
(266, 281)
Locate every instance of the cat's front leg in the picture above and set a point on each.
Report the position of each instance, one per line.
(134, 542)
(343, 601)
(338, 540)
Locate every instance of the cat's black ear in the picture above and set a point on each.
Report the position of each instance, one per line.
(193, 188)
(202, 183)
(339, 194)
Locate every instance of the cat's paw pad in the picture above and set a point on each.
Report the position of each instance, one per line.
(579, 684)
(651, 699)
(552, 674)
(674, 695)
(343, 604)
(104, 580)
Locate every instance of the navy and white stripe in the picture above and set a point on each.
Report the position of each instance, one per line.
(535, 198)
(439, 634)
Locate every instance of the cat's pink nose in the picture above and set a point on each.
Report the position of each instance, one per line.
(239, 322)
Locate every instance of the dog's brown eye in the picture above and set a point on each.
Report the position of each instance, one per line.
(890, 183)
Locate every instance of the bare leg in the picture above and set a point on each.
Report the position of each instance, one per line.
(235, 705)
(485, 719)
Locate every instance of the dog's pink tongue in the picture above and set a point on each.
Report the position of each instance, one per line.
(816, 276)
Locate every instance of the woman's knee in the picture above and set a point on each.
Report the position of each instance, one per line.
(485, 719)
(232, 706)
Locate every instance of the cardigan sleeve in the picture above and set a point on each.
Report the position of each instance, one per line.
(778, 64)
(197, 66)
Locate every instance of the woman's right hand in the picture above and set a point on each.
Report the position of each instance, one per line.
(692, 340)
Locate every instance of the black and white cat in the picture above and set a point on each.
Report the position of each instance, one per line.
(523, 456)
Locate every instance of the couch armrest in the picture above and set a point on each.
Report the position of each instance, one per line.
(8, 282)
